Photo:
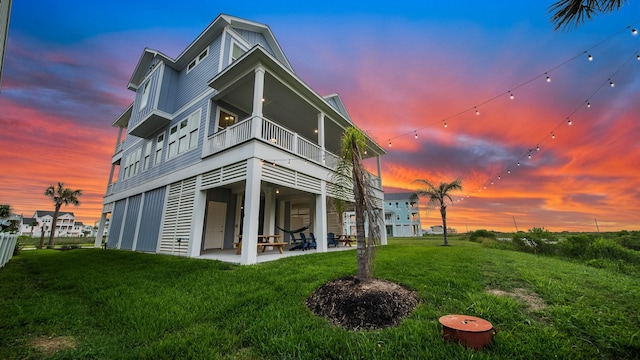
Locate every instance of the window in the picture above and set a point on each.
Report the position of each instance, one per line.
(198, 59)
(225, 119)
(184, 135)
(145, 95)
(236, 52)
(158, 154)
(147, 156)
(132, 164)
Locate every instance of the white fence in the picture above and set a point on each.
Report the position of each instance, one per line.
(7, 244)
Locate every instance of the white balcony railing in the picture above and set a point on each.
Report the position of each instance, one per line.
(276, 135)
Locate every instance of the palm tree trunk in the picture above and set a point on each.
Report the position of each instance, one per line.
(443, 212)
(53, 226)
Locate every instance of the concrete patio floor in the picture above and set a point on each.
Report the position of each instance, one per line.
(230, 256)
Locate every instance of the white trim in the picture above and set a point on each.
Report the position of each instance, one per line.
(198, 59)
(156, 99)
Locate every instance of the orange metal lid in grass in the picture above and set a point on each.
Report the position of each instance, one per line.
(466, 323)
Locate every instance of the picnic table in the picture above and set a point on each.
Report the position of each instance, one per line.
(263, 242)
(346, 239)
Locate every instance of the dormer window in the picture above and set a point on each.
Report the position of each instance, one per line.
(144, 99)
(198, 59)
(236, 52)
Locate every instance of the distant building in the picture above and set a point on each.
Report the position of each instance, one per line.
(401, 216)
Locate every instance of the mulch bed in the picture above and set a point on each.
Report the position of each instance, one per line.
(356, 305)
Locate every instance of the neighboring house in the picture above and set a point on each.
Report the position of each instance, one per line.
(222, 141)
(402, 214)
(438, 230)
(26, 228)
(64, 224)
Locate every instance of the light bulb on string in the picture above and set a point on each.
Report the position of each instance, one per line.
(611, 83)
(289, 162)
(499, 177)
(389, 143)
(508, 171)
(590, 57)
(553, 135)
(569, 122)
(511, 95)
(634, 31)
(548, 77)
(416, 135)
(529, 155)
(537, 148)
(445, 124)
(477, 111)
(638, 57)
(588, 104)
(518, 163)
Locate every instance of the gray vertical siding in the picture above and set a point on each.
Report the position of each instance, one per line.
(255, 38)
(116, 223)
(168, 88)
(138, 113)
(150, 221)
(197, 80)
(131, 222)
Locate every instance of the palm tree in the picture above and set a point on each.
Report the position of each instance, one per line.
(60, 195)
(439, 195)
(5, 211)
(350, 174)
(570, 13)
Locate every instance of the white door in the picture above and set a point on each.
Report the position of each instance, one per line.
(214, 233)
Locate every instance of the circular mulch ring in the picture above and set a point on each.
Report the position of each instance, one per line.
(356, 305)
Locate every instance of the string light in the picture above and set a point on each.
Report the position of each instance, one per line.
(638, 57)
(588, 104)
(477, 111)
(518, 163)
(511, 95)
(289, 162)
(590, 57)
(611, 83)
(529, 155)
(569, 122)
(508, 171)
(548, 78)
(553, 136)
(416, 135)
(445, 124)
(389, 143)
(634, 31)
(537, 148)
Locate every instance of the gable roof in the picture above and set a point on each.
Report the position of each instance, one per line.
(207, 36)
(335, 101)
(43, 213)
(399, 196)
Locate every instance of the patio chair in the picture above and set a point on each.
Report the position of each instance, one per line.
(313, 243)
(302, 245)
(331, 240)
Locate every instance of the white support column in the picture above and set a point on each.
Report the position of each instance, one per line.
(137, 230)
(249, 252)
(103, 220)
(197, 221)
(320, 225)
(383, 227)
(281, 212)
(258, 95)
(379, 172)
(124, 223)
(321, 137)
(269, 225)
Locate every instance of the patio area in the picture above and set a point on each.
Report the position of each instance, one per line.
(230, 256)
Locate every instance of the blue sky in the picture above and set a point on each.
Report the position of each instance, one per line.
(400, 67)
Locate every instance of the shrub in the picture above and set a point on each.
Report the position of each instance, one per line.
(575, 246)
(536, 240)
(629, 240)
(17, 248)
(604, 249)
(479, 235)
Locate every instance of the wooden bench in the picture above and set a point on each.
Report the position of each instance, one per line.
(279, 245)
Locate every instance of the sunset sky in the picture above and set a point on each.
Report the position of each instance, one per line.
(402, 68)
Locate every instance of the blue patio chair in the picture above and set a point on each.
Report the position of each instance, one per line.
(331, 240)
(303, 245)
(313, 243)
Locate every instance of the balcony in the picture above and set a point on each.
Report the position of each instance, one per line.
(269, 132)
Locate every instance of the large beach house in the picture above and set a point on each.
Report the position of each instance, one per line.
(222, 145)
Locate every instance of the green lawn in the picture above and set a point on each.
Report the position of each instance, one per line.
(108, 304)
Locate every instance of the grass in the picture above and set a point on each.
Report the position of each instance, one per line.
(32, 242)
(110, 304)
